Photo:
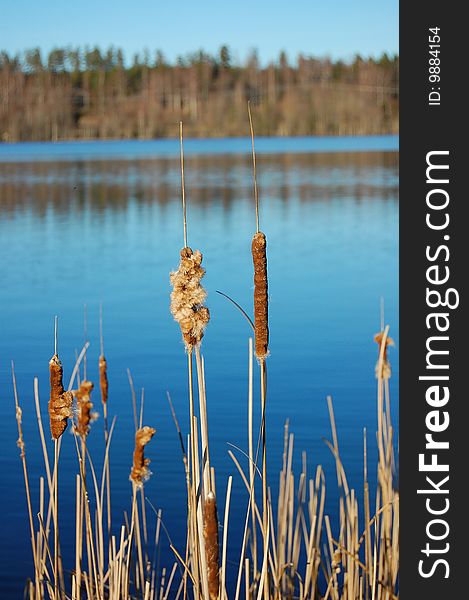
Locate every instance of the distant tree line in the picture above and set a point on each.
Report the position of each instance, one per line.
(90, 93)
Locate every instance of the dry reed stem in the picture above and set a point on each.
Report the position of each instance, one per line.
(60, 402)
(140, 471)
(84, 406)
(261, 310)
(188, 488)
(203, 422)
(20, 444)
(225, 539)
(199, 521)
(211, 544)
(188, 296)
(56, 511)
(193, 550)
(265, 508)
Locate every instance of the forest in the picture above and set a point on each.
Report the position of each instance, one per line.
(90, 93)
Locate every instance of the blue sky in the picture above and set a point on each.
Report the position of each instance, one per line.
(335, 28)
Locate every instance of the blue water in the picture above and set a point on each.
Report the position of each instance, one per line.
(165, 148)
(91, 222)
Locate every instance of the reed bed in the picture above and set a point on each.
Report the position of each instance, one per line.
(290, 549)
(308, 553)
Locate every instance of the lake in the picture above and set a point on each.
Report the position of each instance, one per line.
(100, 222)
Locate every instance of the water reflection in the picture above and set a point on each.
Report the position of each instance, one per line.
(96, 185)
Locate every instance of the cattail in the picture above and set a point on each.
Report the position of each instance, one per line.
(261, 309)
(386, 366)
(188, 296)
(211, 544)
(103, 381)
(336, 561)
(140, 471)
(60, 402)
(84, 406)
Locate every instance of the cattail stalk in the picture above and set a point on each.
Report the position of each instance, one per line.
(188, 296)
(140, 471)
(103, 381)
(261, 346)
(211, 545)
(56, 519)
(104, 387)
(60, 402)
(187, 307)
(84, 406)
(138, 475)
(383, 373)
(261, 310)
(82, 427)
(60, 409)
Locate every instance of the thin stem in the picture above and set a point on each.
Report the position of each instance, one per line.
(382, 313)
(56, 520)
(188, 486)
(77, 366)
(101, 339)
(254, 170)
(265, 514)
(252, 473)
(56, 328)
(183, 187)
(85, 331)
(195, 541)
(239, 307)
(78, 538)
(134, 398)
(26, 478)
(251, 497)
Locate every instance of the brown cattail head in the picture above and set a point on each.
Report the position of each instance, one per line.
(140, 471)
(386, 366)
(188, 296)
(103, 382)
(60, 401)
(84, 406)
(211, 544)
(261, 307)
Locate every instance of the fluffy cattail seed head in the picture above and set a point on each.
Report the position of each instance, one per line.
(84, 406)
(103, 381)
(336, 560)
(386, 365)
(60, 401)
(188, 296)
(261, 307)
(140, 471)
(211, 544)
